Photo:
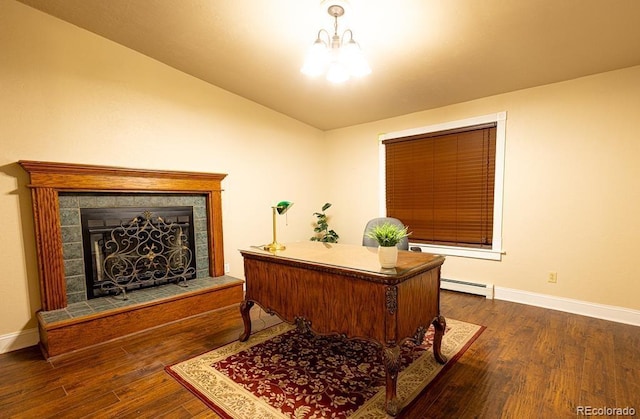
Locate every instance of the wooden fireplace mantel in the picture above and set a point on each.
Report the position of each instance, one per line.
(47, 179)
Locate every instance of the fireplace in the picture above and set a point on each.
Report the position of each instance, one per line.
(131, 248)
(59, 193)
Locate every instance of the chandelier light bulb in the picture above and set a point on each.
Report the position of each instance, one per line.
(317, 59)
(355, 60)
(337, 72)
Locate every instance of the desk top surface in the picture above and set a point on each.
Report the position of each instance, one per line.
(348, 257)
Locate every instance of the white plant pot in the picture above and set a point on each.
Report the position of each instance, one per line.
(388, 256)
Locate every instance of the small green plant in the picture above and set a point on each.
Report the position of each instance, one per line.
(387, 234)
(323, 233)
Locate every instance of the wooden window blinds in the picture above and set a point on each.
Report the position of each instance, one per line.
(441, 185)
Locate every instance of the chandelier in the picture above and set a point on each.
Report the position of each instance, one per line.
(339, 57)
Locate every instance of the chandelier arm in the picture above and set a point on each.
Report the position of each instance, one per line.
(328, 41)
(344, 37)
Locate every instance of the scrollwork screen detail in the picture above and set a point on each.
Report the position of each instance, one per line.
(143, 252)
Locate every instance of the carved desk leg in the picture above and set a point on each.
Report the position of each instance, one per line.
(391, 356)
(440, 324)
(245, 307)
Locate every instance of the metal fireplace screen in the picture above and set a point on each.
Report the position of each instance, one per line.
(131, 248)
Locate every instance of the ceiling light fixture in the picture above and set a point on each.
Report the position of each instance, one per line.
(339, 57)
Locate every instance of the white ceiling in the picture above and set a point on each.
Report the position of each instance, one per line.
(424, 53)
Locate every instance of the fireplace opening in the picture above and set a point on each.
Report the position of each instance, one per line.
(129, 248)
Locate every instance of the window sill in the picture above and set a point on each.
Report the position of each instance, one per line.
(466, 252)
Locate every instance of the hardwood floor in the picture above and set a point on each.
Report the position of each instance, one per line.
(529, 362)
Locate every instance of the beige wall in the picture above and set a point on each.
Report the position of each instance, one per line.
(70, 96)
(571, 192)
(572, 179)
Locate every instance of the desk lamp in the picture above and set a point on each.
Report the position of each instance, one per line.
(281, 208)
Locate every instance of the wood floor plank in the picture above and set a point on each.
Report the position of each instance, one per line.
(72, 407)
(146, 398)
(22, 407)
(17, 385)
(597, 387)
(627, 358)
(116, 377)
(198, 409)
(206, 415)
(24, 371)
(175, 413)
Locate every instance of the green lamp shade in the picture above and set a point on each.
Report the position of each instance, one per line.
(283, 206)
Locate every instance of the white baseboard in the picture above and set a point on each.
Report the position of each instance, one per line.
(19, 340)
(584, 308)
(474, 288)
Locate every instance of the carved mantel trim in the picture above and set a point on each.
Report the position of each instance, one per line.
(47, 179)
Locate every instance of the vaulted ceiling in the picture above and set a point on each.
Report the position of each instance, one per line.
(424, 53)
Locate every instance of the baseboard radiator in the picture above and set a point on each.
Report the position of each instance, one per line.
(468, 287)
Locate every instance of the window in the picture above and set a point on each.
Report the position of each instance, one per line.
(445, 183)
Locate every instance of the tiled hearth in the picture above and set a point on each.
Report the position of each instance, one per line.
(86, 308)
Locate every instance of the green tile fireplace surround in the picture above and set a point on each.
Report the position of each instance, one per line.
(72, 245)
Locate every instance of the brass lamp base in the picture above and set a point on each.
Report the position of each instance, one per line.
(274, 247)
(281, 208)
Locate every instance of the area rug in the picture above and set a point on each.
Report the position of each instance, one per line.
(281, 372)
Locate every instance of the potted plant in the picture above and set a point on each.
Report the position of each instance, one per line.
(322, 230)
(387, 236)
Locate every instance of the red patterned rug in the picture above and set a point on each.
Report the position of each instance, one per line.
(283, 373)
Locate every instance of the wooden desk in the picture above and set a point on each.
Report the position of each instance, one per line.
(341, 289)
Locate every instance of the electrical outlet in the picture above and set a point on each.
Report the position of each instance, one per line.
(553, 277)
(226, 268)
